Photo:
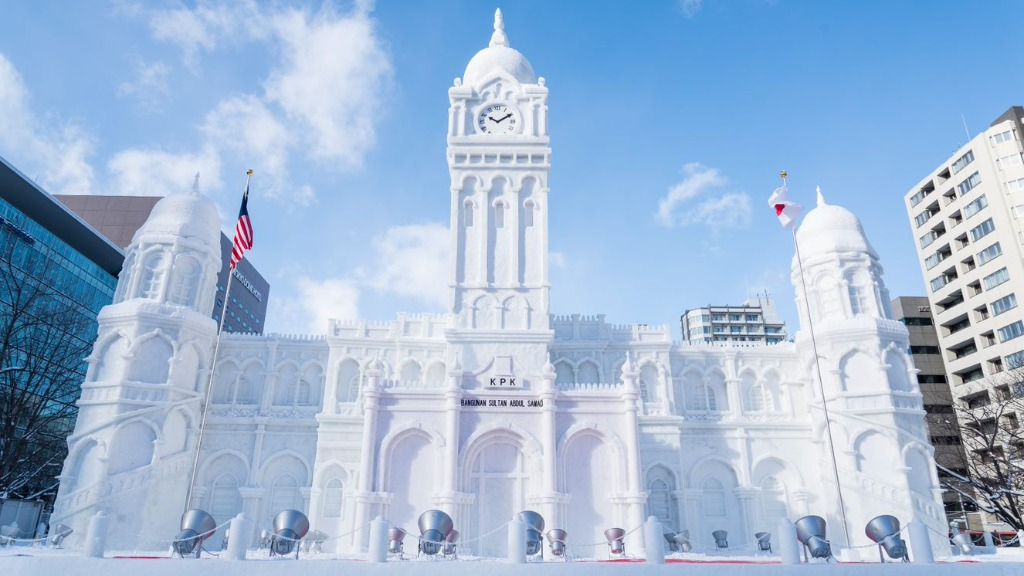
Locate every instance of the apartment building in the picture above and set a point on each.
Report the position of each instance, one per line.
(968, 219)
(943, 430)
(753, 321)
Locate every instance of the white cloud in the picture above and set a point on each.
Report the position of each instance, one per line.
(690, 7)
(52, 151)
(314, 304)
(556, 259)
(330, 80)
(694, 200)
(205, 27)
(149, 86)
(245, 127)
(155, 172)
(413, 261)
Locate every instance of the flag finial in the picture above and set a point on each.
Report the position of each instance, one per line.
(784, 175)
(499, 38)
(248, 172)
(821, 199)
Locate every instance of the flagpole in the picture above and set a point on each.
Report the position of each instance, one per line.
(821, 385)
(207, 400)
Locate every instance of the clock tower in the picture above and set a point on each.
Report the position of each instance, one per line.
(499, 158)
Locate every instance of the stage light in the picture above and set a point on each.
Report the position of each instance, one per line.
(196, 526)
(58, 534)
(810, 531)
(721, 538)
(450, 542)
(556, 540)
(884, 530)
(264, 542)
(434, 526)
(764, 541)
(289, 528)
(534, 531)
(682, 540)
(615, 544)
(396, 537)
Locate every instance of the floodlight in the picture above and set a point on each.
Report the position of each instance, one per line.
(450, 542)
(58, 534)
(396, 536)
(963, 541)
(764, 541)
(227, 537)
(289, 528)
(810, 531)
(534, 531)
(884, 530)
(196, 526)
(434, 526)
(682, 540)
(556, 539)
(721, 538)
(615, 544)
(670, 537)
(264, 542)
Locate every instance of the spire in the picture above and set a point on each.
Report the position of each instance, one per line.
(195, 184)
(821, 199)
(498, 38)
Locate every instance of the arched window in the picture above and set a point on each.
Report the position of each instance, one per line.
(773, 496)
(348, 381)
(334, 498)
(302, 395)
(858, 290)
(528, 208)
(713, 498)
(564, 374)
(587, 373)
(703, 398)
(648, 382)
(499, 214)
(467, 212)
(758, 401)
(152, 277)
(124, 278)
(186, 278)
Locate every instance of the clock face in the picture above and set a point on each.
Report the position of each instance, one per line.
(498, 119)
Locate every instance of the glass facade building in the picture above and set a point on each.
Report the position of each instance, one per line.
(56, 273)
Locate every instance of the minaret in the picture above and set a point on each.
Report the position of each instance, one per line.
(498, 159)
(879, 444)
(132, 448)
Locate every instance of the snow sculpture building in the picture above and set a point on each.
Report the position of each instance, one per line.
(497, 405)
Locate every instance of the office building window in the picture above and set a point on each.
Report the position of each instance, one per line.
(963, 161)
(1015, 360)
(973, 208)
(1015, 185)
(1011, 160)
(996, 278)
(1008, 136)
(1011, 331)
(982, 230)
(1005, 303)
(968, 184)
(989, 253)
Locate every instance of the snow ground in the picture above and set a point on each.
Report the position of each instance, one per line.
(17, 561)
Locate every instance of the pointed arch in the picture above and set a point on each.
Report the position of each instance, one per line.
(151, 357)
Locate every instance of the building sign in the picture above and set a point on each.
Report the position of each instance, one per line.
(502, 403)
(502, 377)
(248, 285)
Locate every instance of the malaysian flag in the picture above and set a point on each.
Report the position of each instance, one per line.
(243, 229)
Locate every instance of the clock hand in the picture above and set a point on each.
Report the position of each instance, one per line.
(503, 118)
(491, 118)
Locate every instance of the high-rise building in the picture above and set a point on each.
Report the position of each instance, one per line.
(968, 219)
(916, 314)
(56, 273)
(119, 218)
(753, 321)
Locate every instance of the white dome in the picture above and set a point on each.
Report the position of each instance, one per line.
(184, 214)
(499, 56)
(829, 228)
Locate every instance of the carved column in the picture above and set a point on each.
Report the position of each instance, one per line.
(368, 455)
(636, 497)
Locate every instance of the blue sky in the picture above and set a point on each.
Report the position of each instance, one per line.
(670, 121)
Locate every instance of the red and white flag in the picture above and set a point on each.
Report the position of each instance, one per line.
(786, 210)
(243, 230)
